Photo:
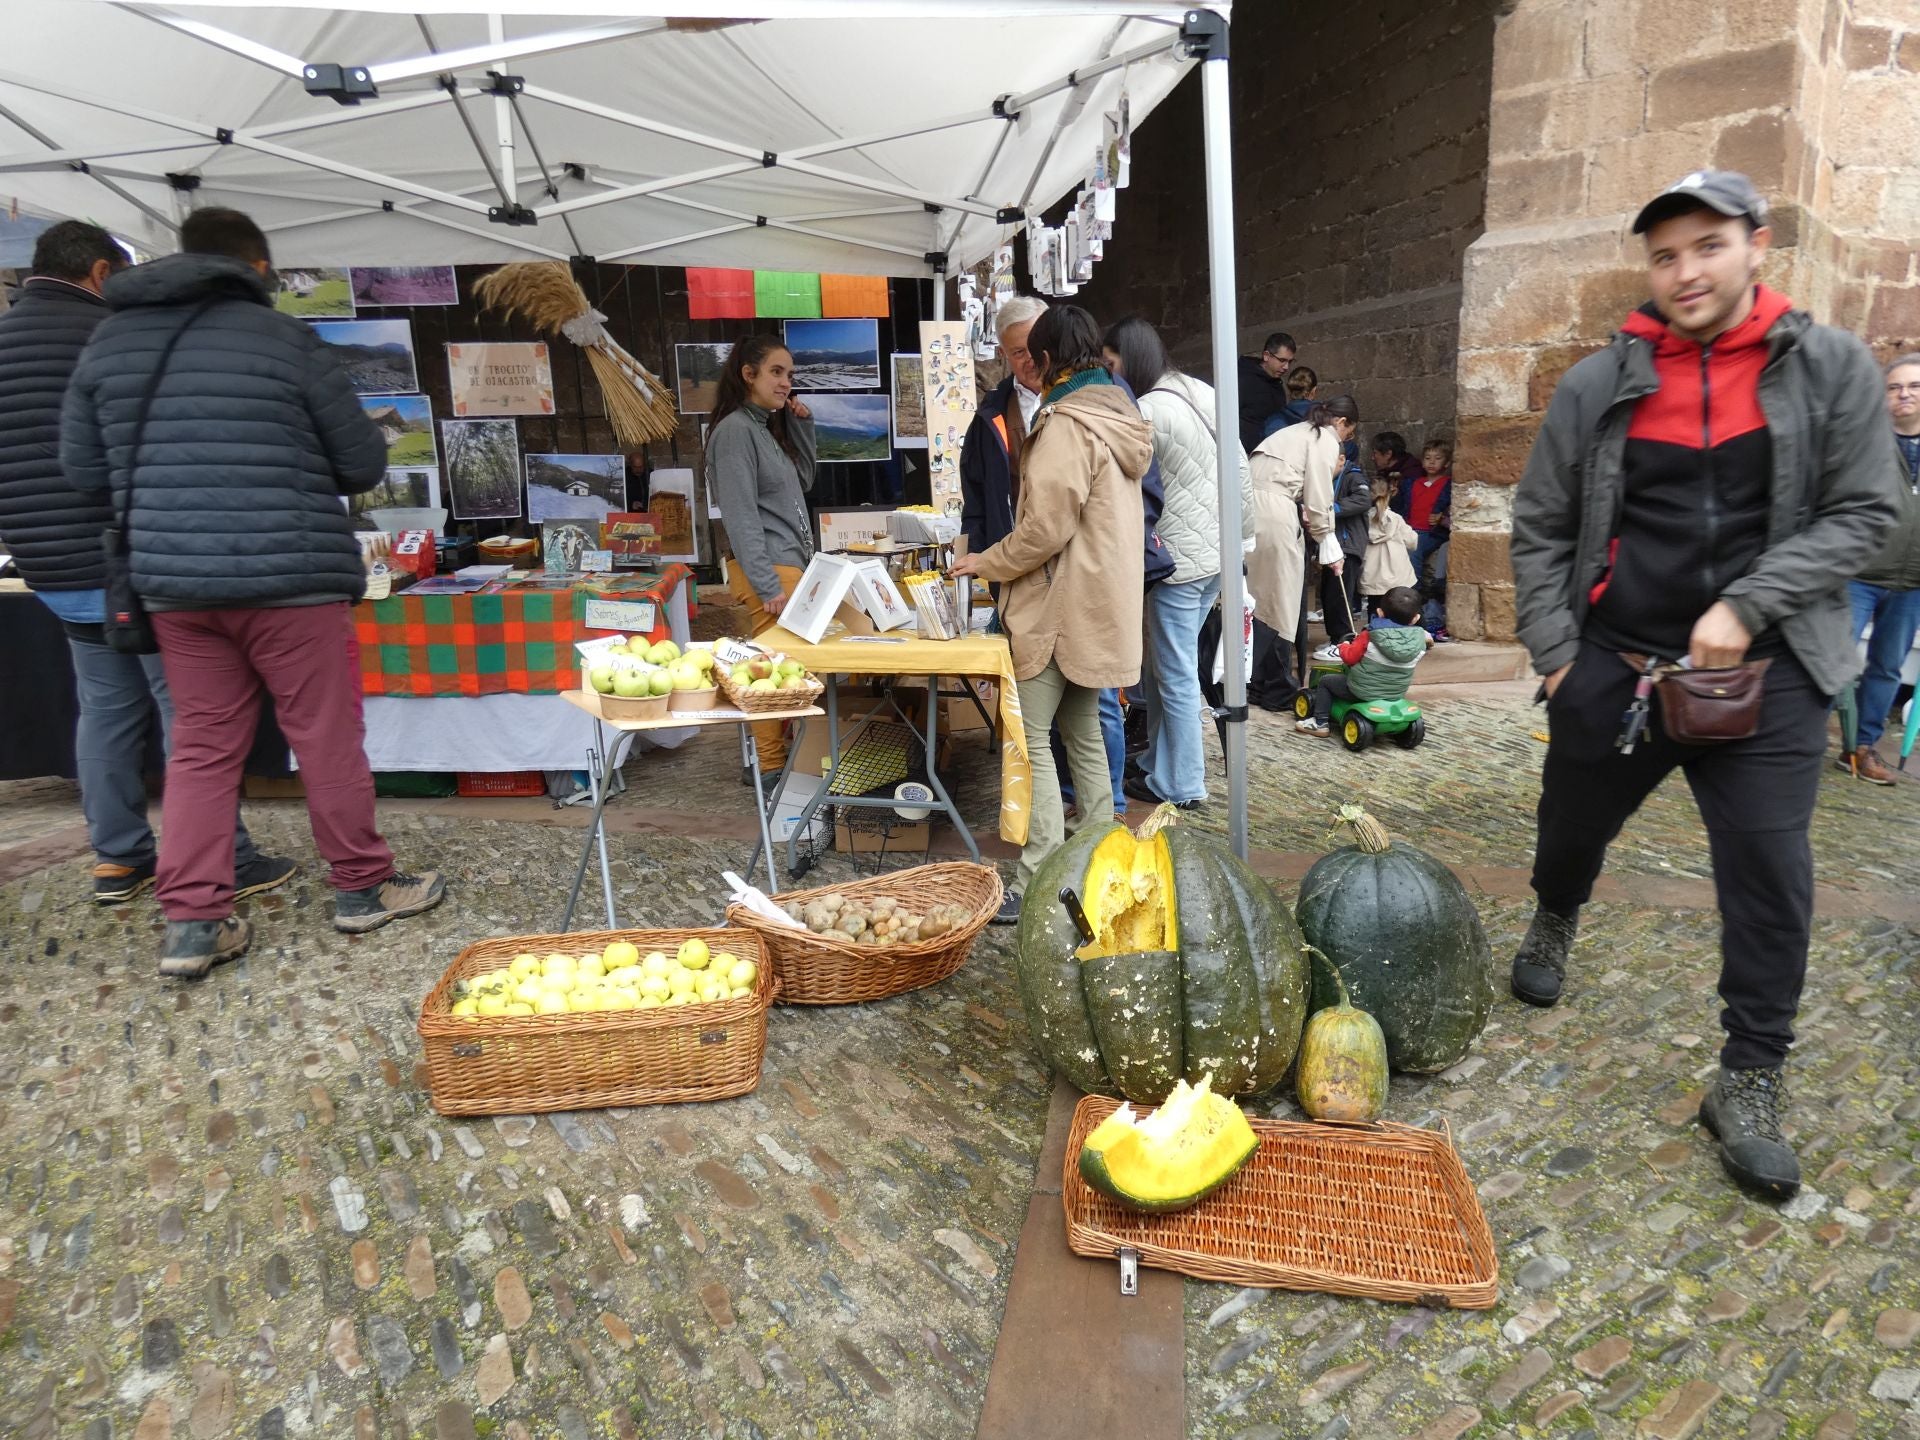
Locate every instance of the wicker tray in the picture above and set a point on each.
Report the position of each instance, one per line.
(814, 970)
(756, 702)
(1383, 1211)
(527, 1064)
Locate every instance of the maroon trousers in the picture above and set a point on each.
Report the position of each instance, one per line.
(216, 662)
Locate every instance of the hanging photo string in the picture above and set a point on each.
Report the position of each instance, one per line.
(1060, 258)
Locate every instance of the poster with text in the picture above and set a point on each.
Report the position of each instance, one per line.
(946, 365)
(500, 379)
(670, 497)
(481, 460)
(909, 403)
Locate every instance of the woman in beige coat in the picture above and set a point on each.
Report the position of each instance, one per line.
(1071, 573)
(1293, 475)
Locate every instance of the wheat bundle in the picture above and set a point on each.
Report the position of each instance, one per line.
(639, 406)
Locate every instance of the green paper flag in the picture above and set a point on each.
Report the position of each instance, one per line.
(786, 295)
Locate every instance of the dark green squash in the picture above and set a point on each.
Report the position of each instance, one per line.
(1342, 1073)
(1195, 967)
(1408, 942)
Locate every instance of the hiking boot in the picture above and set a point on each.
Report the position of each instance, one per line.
(117, 884)
(1742, 1111)
(1540, 964)
(1863, 764)
(395, 898)
(1009, 911)
(262, 873)
(193, 947)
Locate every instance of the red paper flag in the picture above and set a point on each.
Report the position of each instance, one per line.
(719, 294)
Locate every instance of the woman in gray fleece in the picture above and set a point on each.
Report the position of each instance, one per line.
(760, 464)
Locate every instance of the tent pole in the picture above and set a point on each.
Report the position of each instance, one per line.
(1205, 33)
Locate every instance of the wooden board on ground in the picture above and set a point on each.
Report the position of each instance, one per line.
(1068, 1325)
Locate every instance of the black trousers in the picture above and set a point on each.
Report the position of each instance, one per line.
(1330, 689)
(1340, 601)
(1279, 660)
(1756, 797)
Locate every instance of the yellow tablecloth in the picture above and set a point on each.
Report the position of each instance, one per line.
(976, 657)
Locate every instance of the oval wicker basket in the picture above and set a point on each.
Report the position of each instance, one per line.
(759, 702)
(522, 1065)
(815, 970)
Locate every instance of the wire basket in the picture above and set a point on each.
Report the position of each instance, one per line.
(520, 1065)
(1383, 1211)
(759, 702)
(815, 970)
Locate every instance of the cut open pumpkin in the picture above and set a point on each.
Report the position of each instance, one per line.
(1173, 1158)
(1130, 896)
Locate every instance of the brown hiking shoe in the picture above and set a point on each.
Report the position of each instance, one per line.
(1867, 767)
(395, 898)
(193, 947)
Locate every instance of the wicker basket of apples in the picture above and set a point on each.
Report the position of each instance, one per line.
(765, 682)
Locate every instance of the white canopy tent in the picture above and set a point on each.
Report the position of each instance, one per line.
(886, 137)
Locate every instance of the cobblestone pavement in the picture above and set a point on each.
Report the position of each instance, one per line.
(228, 1209)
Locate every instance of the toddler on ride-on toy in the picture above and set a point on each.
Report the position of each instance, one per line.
(1369, 698)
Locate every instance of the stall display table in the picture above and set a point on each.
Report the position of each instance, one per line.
(603, 768)
(899, 656)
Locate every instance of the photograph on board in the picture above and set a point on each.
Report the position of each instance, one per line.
(850, 427)
(377, 354)
(481, 461)
(311, 294)
(404, 285)
(697, 369)
(835, 354)
(576, 487)
(909, 403)
(406, 423)
(411, 487)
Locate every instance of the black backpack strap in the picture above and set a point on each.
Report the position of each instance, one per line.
(123, 539)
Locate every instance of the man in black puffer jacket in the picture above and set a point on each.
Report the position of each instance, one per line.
(54, 532)
(246, 559)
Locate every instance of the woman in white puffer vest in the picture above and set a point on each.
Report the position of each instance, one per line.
(1181, 411)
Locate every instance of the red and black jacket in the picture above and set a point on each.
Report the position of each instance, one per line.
(1697, 484)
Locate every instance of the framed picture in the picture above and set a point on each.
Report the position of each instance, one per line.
(576, 487)
(404, 285)
(841, 526)
(564, 544)
(410, 487)
(697, 369)
(835, 354)
(482, 465)
(849, 428)
(500, 379)
(632, 538)
(377, 354)
(670, 498)
(314, 294)
(909, 403)
(406, 421)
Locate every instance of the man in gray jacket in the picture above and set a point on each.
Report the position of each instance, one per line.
(246, 558)
(1698, 493)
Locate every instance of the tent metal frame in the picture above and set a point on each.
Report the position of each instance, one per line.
(1199, 34)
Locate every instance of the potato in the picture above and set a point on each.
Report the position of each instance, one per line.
(853, 925)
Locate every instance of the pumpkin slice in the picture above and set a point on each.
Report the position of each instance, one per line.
(1173, 1158)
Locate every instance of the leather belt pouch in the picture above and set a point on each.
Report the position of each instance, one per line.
(1707, 707)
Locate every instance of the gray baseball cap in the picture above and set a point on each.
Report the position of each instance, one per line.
(1726, 192)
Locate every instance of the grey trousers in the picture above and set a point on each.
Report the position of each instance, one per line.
(110, 746)
(1043, 698)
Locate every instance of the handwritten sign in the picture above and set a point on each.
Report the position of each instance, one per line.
(946, 364)
(500, 379)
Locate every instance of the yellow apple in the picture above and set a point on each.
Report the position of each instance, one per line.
(648, 1002)
(681, 982)
(656, 986)
(739, 990)
(465, 1007)
(742, 973)
(656, 964)
(694, 953)
(591, 965)
(620, 953)
(523, 965)
(714, 990)
(550, 1004)
(628, 975)
(519, 1008)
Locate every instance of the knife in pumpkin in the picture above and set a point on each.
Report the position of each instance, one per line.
(1078, 914)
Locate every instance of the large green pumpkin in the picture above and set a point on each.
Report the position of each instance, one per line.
(1195, 968)
(1408, 942)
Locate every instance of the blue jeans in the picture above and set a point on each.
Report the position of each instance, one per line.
(1176, 758)
(1895, 615)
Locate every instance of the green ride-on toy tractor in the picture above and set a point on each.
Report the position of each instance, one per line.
(1359, 723)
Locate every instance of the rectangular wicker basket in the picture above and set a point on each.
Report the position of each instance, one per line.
(816, 970)
(1383, 1211)
(588, 1061)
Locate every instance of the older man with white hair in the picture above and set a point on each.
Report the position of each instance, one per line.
(990, 454)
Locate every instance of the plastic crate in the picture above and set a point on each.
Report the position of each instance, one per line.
(522, 784)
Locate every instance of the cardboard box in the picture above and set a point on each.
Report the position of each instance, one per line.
(793, 799)
(909, 837)
(958, 713)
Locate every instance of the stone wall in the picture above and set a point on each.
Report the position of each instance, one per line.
(1596, 105)
(1360, 147)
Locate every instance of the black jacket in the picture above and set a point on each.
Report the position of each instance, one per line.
(52, 530)
(1261, 397)
(1352, 499)
(254, 436)
(986, 469)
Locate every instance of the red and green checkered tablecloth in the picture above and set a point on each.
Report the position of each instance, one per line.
(514, 642)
